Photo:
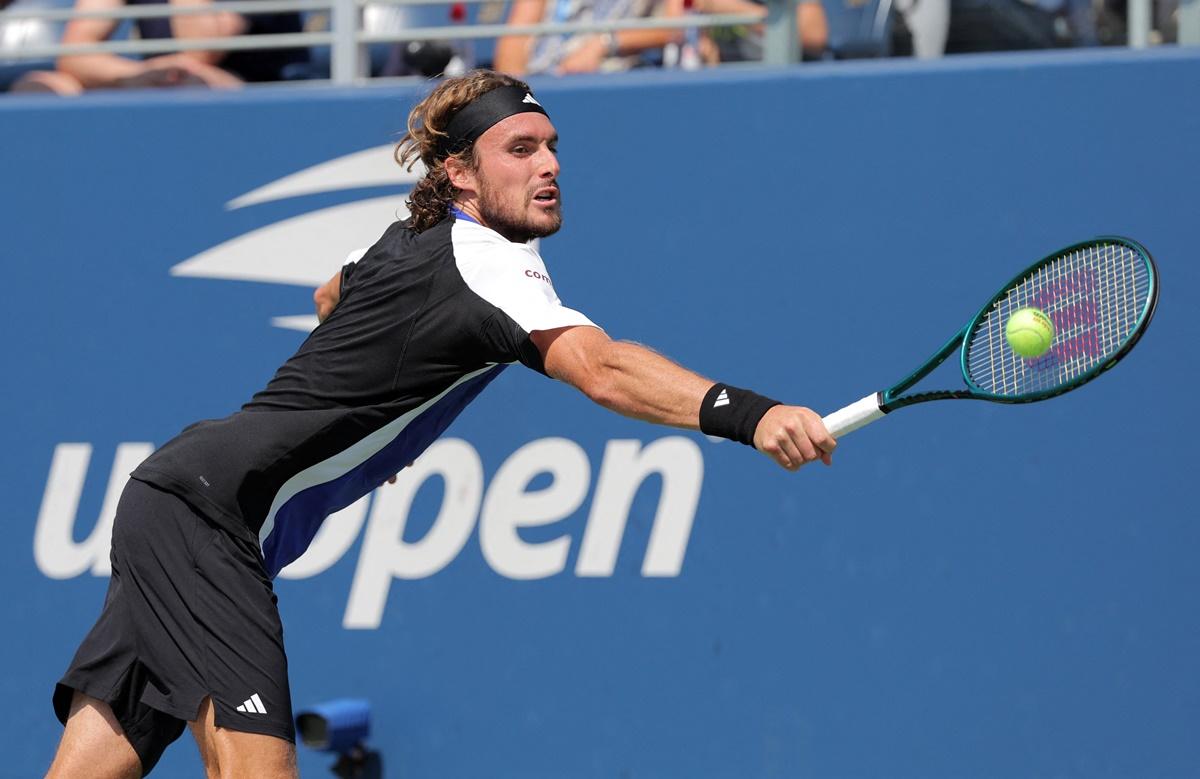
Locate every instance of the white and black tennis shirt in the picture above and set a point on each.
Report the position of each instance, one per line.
(425, 322)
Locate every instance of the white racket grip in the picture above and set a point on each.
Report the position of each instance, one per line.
(852, 417)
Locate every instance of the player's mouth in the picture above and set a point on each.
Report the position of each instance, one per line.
(546, 196)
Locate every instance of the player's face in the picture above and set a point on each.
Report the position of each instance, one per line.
(517, 177)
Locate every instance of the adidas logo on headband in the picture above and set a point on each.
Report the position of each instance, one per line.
(530, 99)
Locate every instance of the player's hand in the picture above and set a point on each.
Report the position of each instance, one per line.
(793, 436)
(326, 299)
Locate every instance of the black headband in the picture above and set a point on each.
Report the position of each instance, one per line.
(474, 119)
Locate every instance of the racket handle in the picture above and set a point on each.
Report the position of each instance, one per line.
(852, 417)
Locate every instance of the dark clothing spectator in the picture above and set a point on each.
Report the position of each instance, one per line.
(248, 65)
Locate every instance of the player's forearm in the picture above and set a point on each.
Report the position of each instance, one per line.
(637, 382)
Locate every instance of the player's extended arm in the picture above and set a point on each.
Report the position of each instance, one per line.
(637, 382)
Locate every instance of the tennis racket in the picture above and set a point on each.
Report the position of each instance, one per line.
(1100, 296)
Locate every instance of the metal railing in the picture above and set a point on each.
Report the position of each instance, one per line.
(347, 38)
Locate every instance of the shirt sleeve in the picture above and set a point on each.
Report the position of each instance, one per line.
(514, 279)
(351, 261)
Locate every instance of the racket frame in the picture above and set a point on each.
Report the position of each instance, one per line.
(1139, 327)
(862, 412)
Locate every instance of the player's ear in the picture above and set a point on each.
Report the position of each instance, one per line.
(461, 176)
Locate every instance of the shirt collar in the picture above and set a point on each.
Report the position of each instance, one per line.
(460, 214)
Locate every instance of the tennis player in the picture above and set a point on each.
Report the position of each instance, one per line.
(410, 334)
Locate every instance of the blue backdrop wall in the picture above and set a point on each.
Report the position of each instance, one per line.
(555, 591)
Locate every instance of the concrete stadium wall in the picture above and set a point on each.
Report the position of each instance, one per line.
(972, 590)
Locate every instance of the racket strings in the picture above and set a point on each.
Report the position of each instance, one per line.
(1095, 296)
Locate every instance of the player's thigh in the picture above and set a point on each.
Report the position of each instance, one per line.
(245, 662)
(93, 744)
(230, 753)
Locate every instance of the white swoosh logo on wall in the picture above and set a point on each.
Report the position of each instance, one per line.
(368, 168)
(306, 250)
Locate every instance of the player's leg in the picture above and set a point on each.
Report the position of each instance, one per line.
(190, 622)
(102, 698)
(243, 724)
(231, 753)
(93, 744)
(189, 615)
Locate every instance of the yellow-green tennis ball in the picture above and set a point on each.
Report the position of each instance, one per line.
(1029, 332)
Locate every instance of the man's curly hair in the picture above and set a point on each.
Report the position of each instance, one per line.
(430, 200)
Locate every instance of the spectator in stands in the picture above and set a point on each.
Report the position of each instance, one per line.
(745, 44)
(22, 75)
(215, 69)
(1009, 25)
(622, 49)
(928, 22)
(46, 81)
(585, 52)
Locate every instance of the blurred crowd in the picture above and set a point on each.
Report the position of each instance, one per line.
(828, 29)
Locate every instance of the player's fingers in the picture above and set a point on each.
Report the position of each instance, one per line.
(794, 457)
(800, 440)
(819, 435)
(773, 449)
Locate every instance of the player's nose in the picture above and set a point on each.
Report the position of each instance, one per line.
(548, 164)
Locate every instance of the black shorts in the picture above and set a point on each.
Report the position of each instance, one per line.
(189, 614)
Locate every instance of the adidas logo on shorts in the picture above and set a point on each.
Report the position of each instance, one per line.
(253, 705)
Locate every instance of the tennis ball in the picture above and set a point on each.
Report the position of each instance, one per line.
(1029, 332)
